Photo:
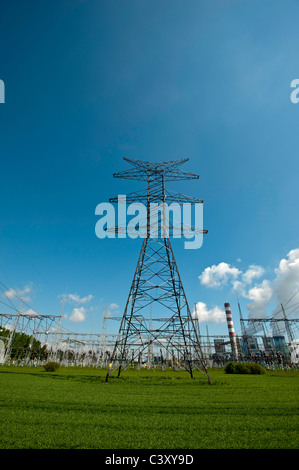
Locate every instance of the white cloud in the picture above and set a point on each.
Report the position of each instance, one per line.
(30, 311)
(283, 288)
(78, 315)
(77, 299)
(111, 309)
(286, 283)
(239, 287)
(215, 314)
(252, 272)
(113, 306)
(223, 273)
(19, 293)
(260, 295)
(280, 290)
(218, 275)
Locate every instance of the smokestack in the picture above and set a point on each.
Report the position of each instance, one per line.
(231, 330)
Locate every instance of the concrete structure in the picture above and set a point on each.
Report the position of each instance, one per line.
(231, 331)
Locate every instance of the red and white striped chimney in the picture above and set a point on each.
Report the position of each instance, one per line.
(229, 319)
(231, 330)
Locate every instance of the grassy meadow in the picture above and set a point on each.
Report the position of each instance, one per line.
(73, 408)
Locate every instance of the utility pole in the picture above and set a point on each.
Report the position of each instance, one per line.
(57, 339)
(287, 325)
(103, 339)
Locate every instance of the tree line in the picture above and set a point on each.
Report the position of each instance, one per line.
(23, 344)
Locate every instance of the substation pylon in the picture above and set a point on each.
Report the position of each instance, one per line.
(157, 315)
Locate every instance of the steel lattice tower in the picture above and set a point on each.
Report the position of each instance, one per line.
(157, 287)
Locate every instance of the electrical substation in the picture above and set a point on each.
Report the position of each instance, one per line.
(157, 329)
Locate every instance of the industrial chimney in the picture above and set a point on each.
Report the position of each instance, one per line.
(231, 331)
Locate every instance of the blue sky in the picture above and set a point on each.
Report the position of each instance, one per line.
(90, 82)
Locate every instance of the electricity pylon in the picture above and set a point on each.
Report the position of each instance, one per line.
(157, 287)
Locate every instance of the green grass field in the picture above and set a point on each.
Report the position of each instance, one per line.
(73, 408)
